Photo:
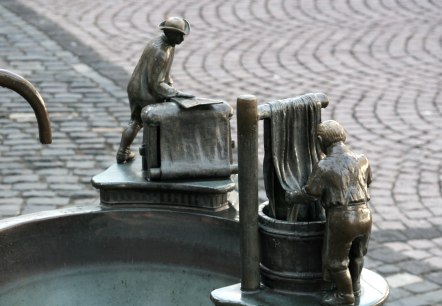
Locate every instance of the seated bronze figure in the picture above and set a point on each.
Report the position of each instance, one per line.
(151, 81)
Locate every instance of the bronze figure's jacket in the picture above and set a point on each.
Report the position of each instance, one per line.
(341, 178)
(151, 82)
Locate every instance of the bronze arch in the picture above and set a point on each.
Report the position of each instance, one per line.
(32, 96)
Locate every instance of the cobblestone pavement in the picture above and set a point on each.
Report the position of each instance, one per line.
(380, 63)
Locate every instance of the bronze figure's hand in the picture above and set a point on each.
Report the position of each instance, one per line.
(181, 94)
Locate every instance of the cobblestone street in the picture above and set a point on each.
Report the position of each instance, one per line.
(379, 62)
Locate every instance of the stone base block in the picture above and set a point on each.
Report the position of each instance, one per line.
(375, 292)
(124, 184)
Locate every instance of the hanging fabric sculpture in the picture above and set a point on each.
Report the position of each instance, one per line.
(291, 151)
(189, 143)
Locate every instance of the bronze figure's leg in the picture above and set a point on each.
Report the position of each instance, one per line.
(124, 154)
(357, 252)
(339, 241)
(356, 264)
(343, 296)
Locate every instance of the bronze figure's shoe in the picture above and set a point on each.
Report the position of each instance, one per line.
(338, 299)
(124, 156)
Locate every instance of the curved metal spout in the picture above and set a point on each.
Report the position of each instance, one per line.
(29, 93)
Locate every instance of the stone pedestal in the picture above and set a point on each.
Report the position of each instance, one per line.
(374, 292)
(125, 185)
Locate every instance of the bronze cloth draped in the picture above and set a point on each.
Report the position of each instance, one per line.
(193, 143)
(291, 151)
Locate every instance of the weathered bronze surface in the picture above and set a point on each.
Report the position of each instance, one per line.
(291, 150)
(307, 168)
(293, 254)
(293, 218)
(151, 81)
(20, 85)
(94, 256)
(195, 101)
(290, 253)
(124, 185)
(374, 286)
(248, 196)
(248, 115)
(187, 142)
(340, 182)
(185, 137)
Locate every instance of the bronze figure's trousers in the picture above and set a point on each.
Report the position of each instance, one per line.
(346, 240)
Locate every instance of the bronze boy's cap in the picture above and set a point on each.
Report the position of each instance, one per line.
(176, 24)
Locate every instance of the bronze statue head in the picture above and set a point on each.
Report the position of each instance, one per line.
(174, 29)
(330, 132)
(176, 24)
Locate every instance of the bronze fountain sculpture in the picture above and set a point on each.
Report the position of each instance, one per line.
(151, 81)
(288, 253)
(168, 229)
(340, 181)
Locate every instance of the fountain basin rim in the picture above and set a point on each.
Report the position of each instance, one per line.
(8, 223)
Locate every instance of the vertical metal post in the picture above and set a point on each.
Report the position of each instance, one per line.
(247, 118)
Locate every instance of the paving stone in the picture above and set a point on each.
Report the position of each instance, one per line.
(57, 179)
(421, 243)
(417, 254)
(4, 193)
(12, 207)
(34, 208)
(34, 201)
(435, 277)
(397, 294)
(371, 263)
(386, 255)
(12, 179)
(398, 246)
(429, 298)
(391, 225)
(85, 201)
(402, 279)
(418, 214)
(436, 222)
(422, 287)
(65, 187)
(38, 193)
(377, 61)
(31, 186)
(388, 236)
(416, 267)
(435, 261)
(436, 251)
(422, 233)
(388, 269)
(84, 194)
(438, 241)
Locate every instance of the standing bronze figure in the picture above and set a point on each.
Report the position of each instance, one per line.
(340, 181)
(151, 81)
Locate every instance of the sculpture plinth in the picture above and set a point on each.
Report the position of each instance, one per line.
(374, 287)
(124, 184)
